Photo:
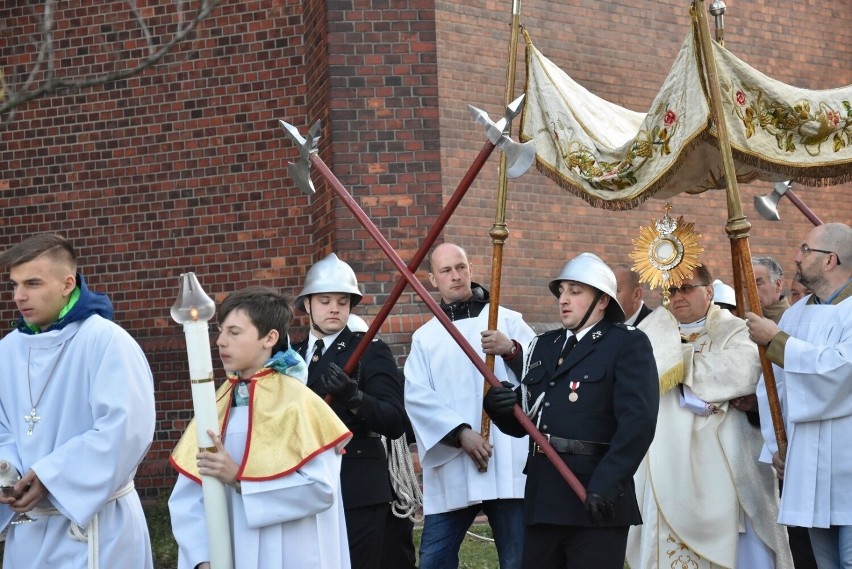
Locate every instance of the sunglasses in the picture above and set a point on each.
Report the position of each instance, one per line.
(684, 288)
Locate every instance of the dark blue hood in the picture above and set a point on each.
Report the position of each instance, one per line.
(88, 304)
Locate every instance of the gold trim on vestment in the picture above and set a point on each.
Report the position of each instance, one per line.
(289, 424)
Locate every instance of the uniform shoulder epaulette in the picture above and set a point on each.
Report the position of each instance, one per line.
(624, 326)
(554, 332)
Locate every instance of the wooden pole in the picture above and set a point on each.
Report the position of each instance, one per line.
(475, 358)
(738, 226)
(498, 232)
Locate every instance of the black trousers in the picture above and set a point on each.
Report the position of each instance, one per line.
(365, 528)
(574, 547)
(398, 551)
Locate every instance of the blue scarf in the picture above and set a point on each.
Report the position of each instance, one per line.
(287, 362)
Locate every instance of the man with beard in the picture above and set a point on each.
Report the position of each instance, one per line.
(811, 353)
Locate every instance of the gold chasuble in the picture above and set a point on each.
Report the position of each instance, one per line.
(288, 423)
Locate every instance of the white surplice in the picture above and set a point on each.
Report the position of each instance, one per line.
(95, 423)
(292, 522)
(443, 389)
(815, 389)
(705, 499)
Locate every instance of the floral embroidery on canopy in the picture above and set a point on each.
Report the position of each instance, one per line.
(617, 158)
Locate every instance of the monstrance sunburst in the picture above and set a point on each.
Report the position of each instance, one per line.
(666, 252)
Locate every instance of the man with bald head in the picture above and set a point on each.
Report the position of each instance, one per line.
(464, 472)
(630, 295)
(811, 352)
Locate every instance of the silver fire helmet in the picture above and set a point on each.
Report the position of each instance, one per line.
(330, 275)
(589, 269)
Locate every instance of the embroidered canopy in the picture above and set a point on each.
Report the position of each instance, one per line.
(616, 158)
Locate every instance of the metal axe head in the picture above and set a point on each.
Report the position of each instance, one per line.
(519, 157)
(301, 171)
(767, 206)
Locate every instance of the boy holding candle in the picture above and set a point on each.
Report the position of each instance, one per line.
(280, 453)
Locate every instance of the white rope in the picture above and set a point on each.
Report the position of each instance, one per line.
(480, 537)
(89, 534)
(530, 411)
(409, 497)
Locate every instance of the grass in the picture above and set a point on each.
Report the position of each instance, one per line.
(475, 553)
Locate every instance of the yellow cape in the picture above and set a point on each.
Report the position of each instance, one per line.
(288, 425)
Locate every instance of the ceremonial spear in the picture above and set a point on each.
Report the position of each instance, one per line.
(519, 158)
(767, 206)
(301, 173)
(737, 226)
(193, 308)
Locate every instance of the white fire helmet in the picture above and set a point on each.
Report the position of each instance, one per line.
(589, 269)
(724, 293)
(357, 324)
(330, 275)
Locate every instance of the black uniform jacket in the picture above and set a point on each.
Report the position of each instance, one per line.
(364, 474)
(615, 380)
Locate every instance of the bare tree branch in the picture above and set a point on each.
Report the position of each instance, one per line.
(43, 80)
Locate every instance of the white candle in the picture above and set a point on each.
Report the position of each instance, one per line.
(193, 308)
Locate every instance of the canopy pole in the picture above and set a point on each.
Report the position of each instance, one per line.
(737, 226)
(499, 233)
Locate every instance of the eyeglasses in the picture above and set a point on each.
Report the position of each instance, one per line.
(805, 249)
(684, 288)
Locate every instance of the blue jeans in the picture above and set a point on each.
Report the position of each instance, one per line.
(443, 534)
(832, 547)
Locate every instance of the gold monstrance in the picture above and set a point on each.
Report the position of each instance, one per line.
(666, 252)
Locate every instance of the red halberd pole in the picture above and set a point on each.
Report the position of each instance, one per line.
(371, 228)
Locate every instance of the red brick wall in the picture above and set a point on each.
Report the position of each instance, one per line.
(184, 168)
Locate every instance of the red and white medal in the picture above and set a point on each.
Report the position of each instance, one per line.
(573, 396)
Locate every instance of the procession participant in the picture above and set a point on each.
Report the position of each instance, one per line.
(705, 499)
(398, 540)
(630, 295)
(724, 296)
(279, 455)
(811, 352)
(798, 291)
(369, 403)
(769, 278)
(76, 418)
(591, 388)
(463, 473)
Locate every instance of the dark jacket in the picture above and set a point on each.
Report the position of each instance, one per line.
(643, 312)
(364, 474)
(617, 403)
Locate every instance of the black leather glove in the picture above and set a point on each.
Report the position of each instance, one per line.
(499, 401)
(342, 387)
(599, 510)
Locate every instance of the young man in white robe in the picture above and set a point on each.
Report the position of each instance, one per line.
(811, 353)
(279, 457)
(76, 419)
(706, 501)
(463, 473)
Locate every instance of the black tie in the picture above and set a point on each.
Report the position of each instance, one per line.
(569, 345)
(318, 345)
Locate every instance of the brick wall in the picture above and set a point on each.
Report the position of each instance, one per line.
(184, 168)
